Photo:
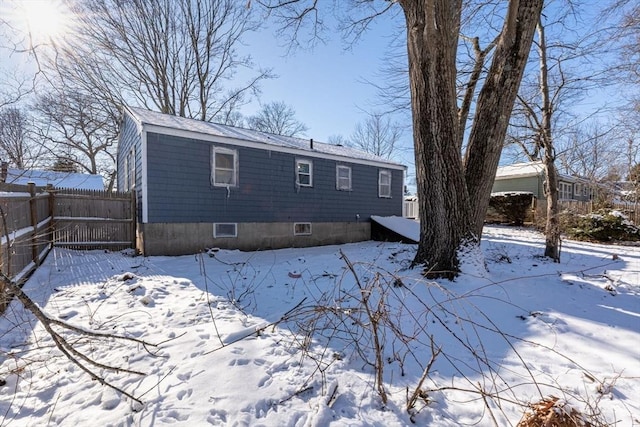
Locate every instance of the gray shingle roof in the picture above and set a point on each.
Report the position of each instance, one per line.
(207, 128)
(58, 179)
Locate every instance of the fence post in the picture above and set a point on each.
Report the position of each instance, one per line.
(33, 208)
(51, 201)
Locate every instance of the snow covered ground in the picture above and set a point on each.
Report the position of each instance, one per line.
(283, 338)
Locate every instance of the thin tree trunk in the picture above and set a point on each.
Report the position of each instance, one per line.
(495, 104)
(474, 78)
(552, 226)
(432, 33)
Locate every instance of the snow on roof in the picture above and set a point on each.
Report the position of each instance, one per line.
(519, 170)
(58, 179)
(522, 170)
(511, 193)
(146, 117)
(403, 226)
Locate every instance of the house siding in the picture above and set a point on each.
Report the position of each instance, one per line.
(532, 184)
(179, 188)
(535, 185)
(130, 139)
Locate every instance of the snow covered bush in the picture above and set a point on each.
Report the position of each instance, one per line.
(602, 226)
(511, 207)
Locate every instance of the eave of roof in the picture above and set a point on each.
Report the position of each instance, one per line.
(525, 170)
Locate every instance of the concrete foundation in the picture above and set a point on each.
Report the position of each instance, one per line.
(189, 238)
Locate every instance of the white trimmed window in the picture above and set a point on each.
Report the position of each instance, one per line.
(127, 173)
(304, 173)
(565, 191)
(384, 183)
(225, 229)
(131, 170)
(302, 228)
(343, 178)
(225, 167)
(577, 189)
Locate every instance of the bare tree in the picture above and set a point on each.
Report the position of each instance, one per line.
(338, 139)
(177, 57)
(278, 118)
(593, 152)
(626, 42)
(76, 130)
(453, 194)
(16, 145)
(540, 119)
(15, 83)
(377, 134)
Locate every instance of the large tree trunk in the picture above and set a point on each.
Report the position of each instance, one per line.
(432, 34)
(495, 103)
(453, 203)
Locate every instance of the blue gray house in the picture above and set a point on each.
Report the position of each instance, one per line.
(530, 177)
(202, 185)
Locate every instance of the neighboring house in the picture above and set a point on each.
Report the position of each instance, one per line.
(42, 178)
(202, 185)
(530, 177)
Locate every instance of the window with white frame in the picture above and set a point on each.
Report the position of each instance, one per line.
(384, 183)
(343, 178)
(225, 229)
(225, 167)
(565, 191)
(304, 173)
(125, 182)
(577, 189)
(131, 170)
(302, 228)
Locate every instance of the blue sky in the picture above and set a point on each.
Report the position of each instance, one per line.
(322, 85)
(325, 85)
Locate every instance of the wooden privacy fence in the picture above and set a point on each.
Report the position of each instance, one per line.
(32, 222)
(630, 209)
(86, 219)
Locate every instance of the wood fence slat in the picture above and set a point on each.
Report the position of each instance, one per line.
(31, 223)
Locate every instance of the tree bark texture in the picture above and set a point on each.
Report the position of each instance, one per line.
(552, 225)
(432, 35)
(495, 102)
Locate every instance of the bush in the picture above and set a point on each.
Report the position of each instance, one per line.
(603, 226)
(512, 207)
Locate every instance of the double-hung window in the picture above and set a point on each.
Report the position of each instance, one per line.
(131, 170)
(304, 173)
(384, 183)
(225, 167)
(566, 191)
(343, 178)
